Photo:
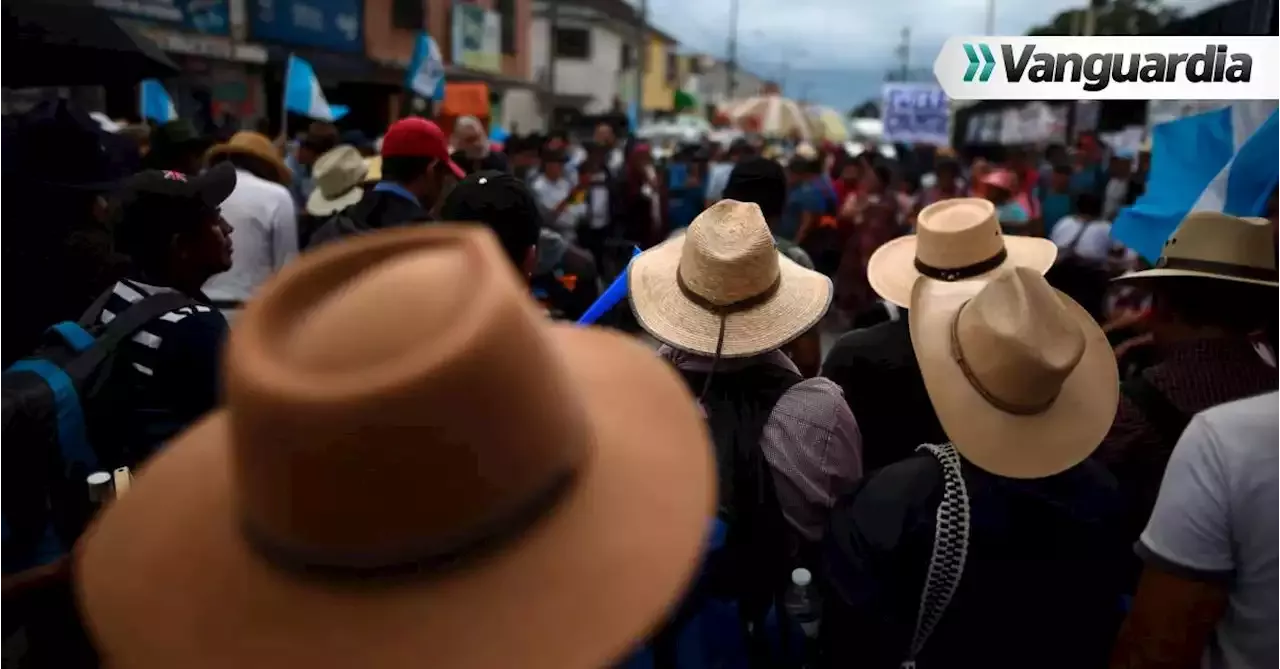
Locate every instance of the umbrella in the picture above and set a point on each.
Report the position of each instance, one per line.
(73, 43)
(828, 123)
(773, 116)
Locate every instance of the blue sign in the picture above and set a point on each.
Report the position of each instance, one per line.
(208, 17)
(915, 114)
(337, 25)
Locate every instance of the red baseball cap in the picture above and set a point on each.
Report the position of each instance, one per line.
(418, 137)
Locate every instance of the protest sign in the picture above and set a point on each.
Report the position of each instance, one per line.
(915, 113)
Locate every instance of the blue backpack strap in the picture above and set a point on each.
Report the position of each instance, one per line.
(74, 335)
(73, 441)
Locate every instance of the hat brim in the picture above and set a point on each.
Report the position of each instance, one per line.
(319, 205)
(582, 587)
(802, 298)
(1016, 446)
(284, 175)
(1164, 272)
(455, 168)
(892, 272)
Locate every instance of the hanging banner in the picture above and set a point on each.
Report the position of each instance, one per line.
(915, 114)
(477, 38)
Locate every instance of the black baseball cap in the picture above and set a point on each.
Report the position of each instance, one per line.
(57, 145)
(758, 180)
(155, 205)
(503, 203)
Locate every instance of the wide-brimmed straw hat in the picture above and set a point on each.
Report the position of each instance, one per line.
(725, 278)
(355, 504)
(259, 146)
(373, 169)
(956, 240)
(1212, 245)
(339, 174)
(1023, 380)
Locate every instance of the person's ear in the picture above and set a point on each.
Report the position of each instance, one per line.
(530, 261)
(101, 210)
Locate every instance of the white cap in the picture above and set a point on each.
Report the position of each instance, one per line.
(801, 576)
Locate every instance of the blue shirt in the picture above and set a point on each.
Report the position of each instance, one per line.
(1053, 207)
(805, 198)
(1090, 179)
(1013, 213)
(396, 189)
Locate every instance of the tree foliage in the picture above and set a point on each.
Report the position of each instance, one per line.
(1112, 17)
(868, 109)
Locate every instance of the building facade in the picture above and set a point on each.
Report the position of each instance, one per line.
(661, 74)
(583, 53)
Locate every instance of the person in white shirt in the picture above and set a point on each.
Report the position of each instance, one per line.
(1207, 596)
(262, 211)
(1085, 234)
(559, 196)
(719, 171)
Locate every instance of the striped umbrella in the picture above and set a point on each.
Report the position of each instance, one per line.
(772, 116)
(829, 123)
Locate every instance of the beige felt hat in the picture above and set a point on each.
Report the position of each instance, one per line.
(955, 240)
(1212, 245)
(725, 276)
(355, 504)
(1023, 380)
(339, 176)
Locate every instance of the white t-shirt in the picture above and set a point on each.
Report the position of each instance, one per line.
(1093, 244)
(552, 193)
(265, 236)
(1215, 519)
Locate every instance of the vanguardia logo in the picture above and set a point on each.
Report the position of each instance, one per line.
(1123, 67)
(988, 62)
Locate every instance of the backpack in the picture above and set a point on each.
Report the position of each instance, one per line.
(1084, 280)
(751, 565)
(46, 397)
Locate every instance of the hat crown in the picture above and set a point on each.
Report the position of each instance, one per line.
(360, 400)
(1018, 340)
(339, 170)
(1214, 237)
(729, 254)
(958, 233)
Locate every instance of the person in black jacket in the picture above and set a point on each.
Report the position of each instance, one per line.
(416, 172)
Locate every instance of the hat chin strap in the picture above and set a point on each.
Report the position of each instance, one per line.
(1004, 405)
(723, 310)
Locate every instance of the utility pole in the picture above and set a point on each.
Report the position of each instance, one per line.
(904, 54)
(733, 49)
(642, 54)
(553, 19)
(991, 17)
(1091, 17)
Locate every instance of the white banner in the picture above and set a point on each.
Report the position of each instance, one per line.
(915, 113)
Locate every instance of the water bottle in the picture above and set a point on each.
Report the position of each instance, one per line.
(801, 602)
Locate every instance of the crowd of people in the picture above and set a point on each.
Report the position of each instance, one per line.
(358, 442)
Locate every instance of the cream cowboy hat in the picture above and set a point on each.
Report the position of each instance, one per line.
(356, 504)
(955, 240)
(1211, 245)
(339, 175)
(1023, 380)
(723, 288)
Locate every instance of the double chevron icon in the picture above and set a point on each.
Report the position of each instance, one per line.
(987, 61)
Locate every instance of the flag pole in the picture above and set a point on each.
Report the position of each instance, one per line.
(284, 104)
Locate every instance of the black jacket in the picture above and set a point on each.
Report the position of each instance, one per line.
(493, 160)
(376, 211)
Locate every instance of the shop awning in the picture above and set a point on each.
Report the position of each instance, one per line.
(466, 98)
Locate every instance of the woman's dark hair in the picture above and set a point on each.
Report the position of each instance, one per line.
(403, 169)
(1236, 307)
(1089, 204)
(884, 173)
(759, 180)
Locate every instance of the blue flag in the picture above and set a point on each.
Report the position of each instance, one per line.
(154, 102)
(303, 95)
(425, 76)
(611, 297)
(1223, 160)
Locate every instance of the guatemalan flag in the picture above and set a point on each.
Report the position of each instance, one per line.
(425, 76)
(1223, 160)
(303, 95)
(155, 103)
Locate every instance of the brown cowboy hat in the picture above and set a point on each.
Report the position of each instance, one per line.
(1212, 245)
(955, 240)
(1022, 378)
(356, 504)
(257, 145)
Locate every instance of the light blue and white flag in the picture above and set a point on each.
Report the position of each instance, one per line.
(425, 76)
(1223, 160)
(303, 95)
(155, 103)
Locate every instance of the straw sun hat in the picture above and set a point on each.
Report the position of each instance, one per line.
(339, 175)
(257, 145)
(355, 504)
(1213, 245)
(723, 288)
(956, 240)
(1023, 380)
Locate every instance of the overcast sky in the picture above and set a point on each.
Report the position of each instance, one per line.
(839, 50)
